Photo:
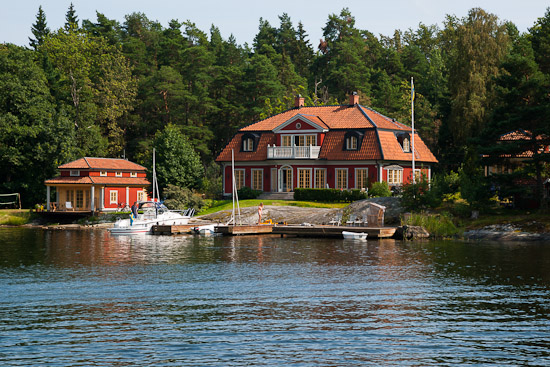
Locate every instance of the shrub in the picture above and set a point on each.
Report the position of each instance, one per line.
(328, 195)
(178, 198)
(438, 225)
(380, 189)
(417, 196)
(246, 192)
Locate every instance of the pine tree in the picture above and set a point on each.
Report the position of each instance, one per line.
(39, 29)
(71, 19)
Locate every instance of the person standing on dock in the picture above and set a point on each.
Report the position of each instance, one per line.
(260, 209)
(134, 214)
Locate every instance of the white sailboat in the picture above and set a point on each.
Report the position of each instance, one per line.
(153, 213)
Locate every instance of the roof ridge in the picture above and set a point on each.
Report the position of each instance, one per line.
(366, 115)
(392, 120)
(88, 163)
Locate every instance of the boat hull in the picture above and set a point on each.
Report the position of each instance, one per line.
(354, 235)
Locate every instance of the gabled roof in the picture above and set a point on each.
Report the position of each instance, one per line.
(393, 150)
(333, 117)
(103, 164)
(88, 180)
(333, 144)
(259, 155)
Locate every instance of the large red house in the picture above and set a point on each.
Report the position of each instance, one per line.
(97, 184)
(343, 147)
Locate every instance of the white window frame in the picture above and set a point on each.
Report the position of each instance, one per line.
(118, 174)
(113, 197)
(393, 181)
(293, 140)
(298, 170)
(356, 179)
(75, 173)
(244, 178)
(407, 146)
(140, 196)
(352, 142)
(103, 173)
(261, 171)
(324, 183)
(248, 145)
(133, 174)
(336, 178)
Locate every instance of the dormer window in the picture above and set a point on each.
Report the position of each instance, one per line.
(248, 145)
(103, 173)
(133, 174)
(75, 173)
(404, 140)
(249, 142)
(353, 140)
(351, 143)
(118, 174)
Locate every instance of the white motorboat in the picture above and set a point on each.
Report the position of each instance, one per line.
(205, 230)
(354, 235)
(154, 213)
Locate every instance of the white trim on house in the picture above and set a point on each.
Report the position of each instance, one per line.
(336, 178)
(355, 176)
(301, 117)
(261, 170)
(298, 169)
(317, 169)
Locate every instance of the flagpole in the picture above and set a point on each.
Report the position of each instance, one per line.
(412, 120)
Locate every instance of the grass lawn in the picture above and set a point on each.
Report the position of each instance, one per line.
(14, 217)
(219, 205)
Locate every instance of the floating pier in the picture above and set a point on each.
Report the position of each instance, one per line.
(282, 230)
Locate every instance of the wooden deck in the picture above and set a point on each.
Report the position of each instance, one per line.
(173, 229)
(290, 230)
(333, 231)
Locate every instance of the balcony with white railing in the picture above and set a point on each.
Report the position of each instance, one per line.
(309, 152)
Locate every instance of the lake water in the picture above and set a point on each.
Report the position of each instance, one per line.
(86, 298)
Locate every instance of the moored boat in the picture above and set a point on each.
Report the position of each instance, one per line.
(154, 213)
(354, 235)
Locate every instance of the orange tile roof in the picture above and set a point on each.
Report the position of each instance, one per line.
(379, 135)
(259, 155)
(87, 180)
(334, 141)
(392, 150)
(103, 163)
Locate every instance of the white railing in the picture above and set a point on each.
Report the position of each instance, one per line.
(309, 152)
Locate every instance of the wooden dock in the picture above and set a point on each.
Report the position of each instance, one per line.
(283, 230)
(174, 229)
(333, 231)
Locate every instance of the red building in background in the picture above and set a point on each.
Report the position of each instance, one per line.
(343, 147)
(97, 184)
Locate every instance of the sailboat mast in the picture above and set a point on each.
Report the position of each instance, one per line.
(154, 175)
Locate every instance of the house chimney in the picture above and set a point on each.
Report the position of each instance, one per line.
(353, 99)
(298, 101)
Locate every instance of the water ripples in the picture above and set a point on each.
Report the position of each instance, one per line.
(73, 299)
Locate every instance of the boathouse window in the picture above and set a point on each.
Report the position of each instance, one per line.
(141, 196)
(258, 179)
(404, 140)
(113, 197)
(250, 142)
(133, 174)
(118, 174)
(395, 175)
(103, 173)
(320, 178)
(75, 173)
(341, 178)
(353, 140)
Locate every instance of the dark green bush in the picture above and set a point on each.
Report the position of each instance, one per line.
(178, 198)
(246, 192)
(328, 195)
(380, 189)
(417, 196)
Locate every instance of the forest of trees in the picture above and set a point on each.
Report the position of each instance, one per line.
(107, 88)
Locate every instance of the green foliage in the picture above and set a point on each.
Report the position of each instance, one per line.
(438, 225)
(178, 198)
(419, 196)
(475, 188)
(246, 192)
(177, 163)
(328, 195)
(446, 183)
(380, 189)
